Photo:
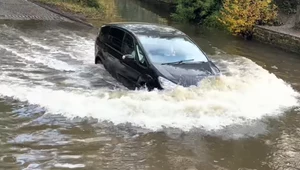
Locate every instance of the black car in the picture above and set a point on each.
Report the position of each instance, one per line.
(158, 56)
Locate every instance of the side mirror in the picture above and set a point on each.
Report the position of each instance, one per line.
(127, 56)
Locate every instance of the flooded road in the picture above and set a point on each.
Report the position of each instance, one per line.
(60, 111)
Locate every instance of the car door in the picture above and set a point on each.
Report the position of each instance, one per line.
(130, 71)
(113, 53)
(135, 61)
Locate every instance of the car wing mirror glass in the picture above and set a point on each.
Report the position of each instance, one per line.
(129, 56)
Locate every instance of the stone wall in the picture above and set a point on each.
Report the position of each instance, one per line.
(278, 39)
(297, 23)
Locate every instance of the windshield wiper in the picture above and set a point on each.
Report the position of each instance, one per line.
(179, 62)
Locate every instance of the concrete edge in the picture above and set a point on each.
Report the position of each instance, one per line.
(263, 35)
(70, 17)
(277, 32)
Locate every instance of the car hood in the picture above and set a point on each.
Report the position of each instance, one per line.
(186, 74)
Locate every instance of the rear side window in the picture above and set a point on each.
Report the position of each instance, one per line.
(104, 30)
(116, 37)
(104, 33)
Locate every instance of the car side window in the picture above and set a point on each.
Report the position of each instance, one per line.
(128, 45)
(104, 34)
(116, 38)
(141, 57)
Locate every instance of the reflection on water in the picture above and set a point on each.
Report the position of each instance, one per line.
(138, 13)
(60, 111)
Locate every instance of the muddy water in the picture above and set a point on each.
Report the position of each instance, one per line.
(60, 111)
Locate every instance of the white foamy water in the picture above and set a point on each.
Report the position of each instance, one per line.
(70, 166)
(229, 100)
(246, 92)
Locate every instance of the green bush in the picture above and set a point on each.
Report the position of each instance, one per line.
(287, 6)
(240, 16)
(195, 10)
(212, 21)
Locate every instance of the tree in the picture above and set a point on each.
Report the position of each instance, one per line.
(240, 16)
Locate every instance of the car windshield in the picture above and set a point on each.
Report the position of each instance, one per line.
(171, 49)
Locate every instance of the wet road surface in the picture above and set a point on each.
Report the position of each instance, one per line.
(60, 111)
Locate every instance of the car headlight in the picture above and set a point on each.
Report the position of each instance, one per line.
(166, 84)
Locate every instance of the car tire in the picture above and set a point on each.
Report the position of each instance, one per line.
(142, 84)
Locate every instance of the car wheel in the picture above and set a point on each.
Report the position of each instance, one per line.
(142, 85)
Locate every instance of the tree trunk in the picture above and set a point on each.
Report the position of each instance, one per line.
(297, 22)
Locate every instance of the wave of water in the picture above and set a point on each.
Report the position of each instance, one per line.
(245, 92)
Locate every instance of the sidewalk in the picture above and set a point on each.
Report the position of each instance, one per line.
(25, 10)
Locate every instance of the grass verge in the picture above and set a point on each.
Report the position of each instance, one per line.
(83, 10)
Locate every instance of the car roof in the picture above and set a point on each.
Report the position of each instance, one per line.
(150, 29)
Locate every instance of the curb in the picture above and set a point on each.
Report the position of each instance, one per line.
(277, 39)
(68, 16)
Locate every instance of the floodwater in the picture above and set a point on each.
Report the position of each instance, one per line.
(60, 111)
